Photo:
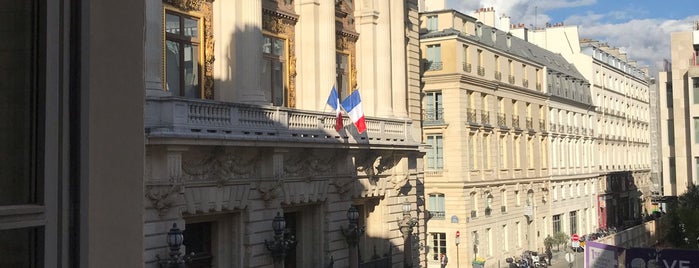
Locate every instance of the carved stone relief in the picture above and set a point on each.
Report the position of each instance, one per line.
(373, 163)
(310, 163)
(164, 197)
(221, 165)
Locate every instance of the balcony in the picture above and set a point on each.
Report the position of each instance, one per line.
(481, 70)
(185, 118)
(433, 116)
(437, 215)
(485, 117)
(471, 116)
(467, 67)
(515, 121)
(432, 65)
(502, 122)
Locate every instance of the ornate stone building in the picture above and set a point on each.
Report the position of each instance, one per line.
(507, 123)
(238, 130)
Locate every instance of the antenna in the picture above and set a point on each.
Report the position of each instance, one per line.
(536, 15)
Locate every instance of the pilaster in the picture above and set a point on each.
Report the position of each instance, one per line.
(398, 54)
(383, 61)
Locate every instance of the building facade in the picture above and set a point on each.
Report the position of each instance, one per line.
(620, 92)
(510, 140)
(678, 113)
(239, 131)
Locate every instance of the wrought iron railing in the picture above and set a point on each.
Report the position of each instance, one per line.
(502, 122)
(485, 117)
(471, 116)
(511, 79)
(530, 123)
(481, 70)
(433, 65)
(515, 121)
(498, 75)
(433, 115)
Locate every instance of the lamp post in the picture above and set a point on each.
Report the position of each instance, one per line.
(406, 228)
(174, 241)
(281, 243)
(352, 235)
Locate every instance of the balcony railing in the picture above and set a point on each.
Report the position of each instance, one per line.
(542, 125)
(433, 65)
(530, 123)
(437, 215)
(467, 67)
(525, 82)
(511, 79)
(179, 117)
(485, 117)
(481, 70)
(471, 116)
(552, 127)
(502, 122)
(474, 214)
(538, 86)
(498, 76)
(515, 121)
(433, 116)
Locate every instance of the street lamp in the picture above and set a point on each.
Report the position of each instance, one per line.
(352, 235)
(457, 240)
(281, 243)
(174, 241)
(406, 228)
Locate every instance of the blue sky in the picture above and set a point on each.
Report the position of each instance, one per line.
(641, 28)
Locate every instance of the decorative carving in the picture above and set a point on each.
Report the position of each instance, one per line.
(221, 165)
(163, 198)
(269, 190)
(342, 186)
(366, 163)
(399, 181)
(187, 5)
(309, 163)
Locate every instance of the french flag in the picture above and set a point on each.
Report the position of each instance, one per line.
(353, 106)
(334, 102)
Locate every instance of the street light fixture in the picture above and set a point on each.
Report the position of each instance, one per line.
(406, 228)
(352, 235)
(174, 239)
(281, 244)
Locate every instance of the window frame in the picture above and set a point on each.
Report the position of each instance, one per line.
(283, 61)
(436, 205)
(435, 155)
(200, 50)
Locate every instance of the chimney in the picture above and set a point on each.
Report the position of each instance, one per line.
(504, 23)
(487, 16)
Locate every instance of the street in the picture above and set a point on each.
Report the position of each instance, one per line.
(559, 260)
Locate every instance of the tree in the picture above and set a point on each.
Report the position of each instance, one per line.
(684, 220)
(560, 238)
(549, 241)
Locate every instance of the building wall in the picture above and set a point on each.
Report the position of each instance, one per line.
(245, 159)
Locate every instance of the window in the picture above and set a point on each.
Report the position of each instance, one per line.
(555, 193)
(342, 75)
(503, 152)
(182, 54)
(530, 198)
(472, 145)
(573, 222)
(434, 57)
(488, 204)
(432, 23)
(474, 204)
(519, 234)
(486, 151)
(517, 155)
(556, 223)
(436, 206)
(198, 243)
(503, 200)
(695, 89)
(433, 104)
(696, 129)
(489, 233)
(668, 94)
(671, 132)
(439, 245)
(517, 199)
(434, 154)
(274, 70)
(505, 238)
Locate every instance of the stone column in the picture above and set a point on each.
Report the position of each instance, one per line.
(398, 68)
(383, 61)
(248, 52)
(315, 51)
(366, 55)
(153, 50)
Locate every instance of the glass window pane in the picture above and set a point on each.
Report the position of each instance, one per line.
(172, 59)
(278, 47)
(278, 78)
(172, 23)
(191, 71)
(266, 45)
(21, 247)
(191, 28)
(17, 103)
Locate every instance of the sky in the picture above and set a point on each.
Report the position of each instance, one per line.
(641, 28)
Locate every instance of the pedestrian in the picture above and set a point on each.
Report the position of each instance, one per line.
(549, 255)
(443, 260)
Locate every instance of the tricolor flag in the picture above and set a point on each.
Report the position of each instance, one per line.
(353, 106)
(334, 101)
